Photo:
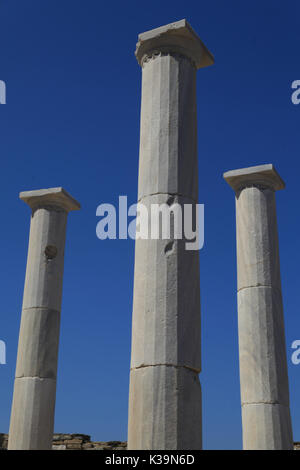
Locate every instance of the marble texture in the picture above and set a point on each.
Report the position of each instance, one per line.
(32, 415)
(165, 392)
(166, 406)
(262, 348)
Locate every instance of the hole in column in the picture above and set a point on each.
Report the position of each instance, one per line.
(169, 248)
(171, 200)
(50, 252)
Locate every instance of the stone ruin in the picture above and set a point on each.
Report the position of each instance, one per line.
(165, 405)
(74, 442)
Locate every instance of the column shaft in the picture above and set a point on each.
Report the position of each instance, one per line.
(165, 392)
(32, 416)
(262, 350)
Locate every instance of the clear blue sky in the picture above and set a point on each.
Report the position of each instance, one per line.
(72, 120)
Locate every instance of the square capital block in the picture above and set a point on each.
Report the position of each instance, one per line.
(176, 38)
(51, 196)
(261, 175)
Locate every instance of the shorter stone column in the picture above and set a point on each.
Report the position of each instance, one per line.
(262, 349)
(32, 416)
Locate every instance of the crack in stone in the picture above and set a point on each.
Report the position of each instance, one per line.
(263, 403)
(144, 366)
(256, 286)
(41, 308)
(34, 377)
(168, 194)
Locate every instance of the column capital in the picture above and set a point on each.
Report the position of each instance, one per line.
(57, 197)
(263, 175)
(174, 38)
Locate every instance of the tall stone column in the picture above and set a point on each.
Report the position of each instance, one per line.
(32, 415)
(262, 350)
(165, 393)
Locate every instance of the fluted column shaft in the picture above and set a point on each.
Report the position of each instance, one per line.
(32, 415)
(262, 350)
(165, 393)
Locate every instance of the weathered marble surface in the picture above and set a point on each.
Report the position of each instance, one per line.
(165, 392)
(262, 349)
(32, 416)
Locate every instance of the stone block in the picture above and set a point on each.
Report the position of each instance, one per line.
(266, 427)
(44, 275)
(33, 410)
(168, 139)
(257, 239)
(164, 409)
(166, 305)
(38, 343)
(263, 367)
(177, 38)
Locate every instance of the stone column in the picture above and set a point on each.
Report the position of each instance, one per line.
(165, 393)
(262, 350)
(32, 415)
